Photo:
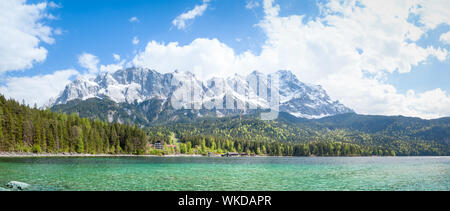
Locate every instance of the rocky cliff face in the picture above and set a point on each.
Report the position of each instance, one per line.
(237, 93)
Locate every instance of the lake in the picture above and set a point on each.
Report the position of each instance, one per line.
(247, 173)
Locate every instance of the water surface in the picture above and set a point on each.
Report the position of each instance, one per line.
(250, 173)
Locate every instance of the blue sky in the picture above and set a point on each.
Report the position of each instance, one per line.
(399, 78)
(103, 28)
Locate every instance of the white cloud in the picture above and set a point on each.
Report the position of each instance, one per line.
(37, 89)
(432, 12)
(323, 51)
(113, 67)
(349, 50)
(40, 88)
(134, 20)
(269, 9)
(203, 57)
(92, 64)
(116, 57)
(89, 61)
(57, 31)
(251, 4)
(54, 5)
(370, 96)
(445, 38)
(180, 21)
(135, 40)
(22, 32)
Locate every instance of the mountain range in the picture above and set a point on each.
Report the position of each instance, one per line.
(307, 115)
(146, 96)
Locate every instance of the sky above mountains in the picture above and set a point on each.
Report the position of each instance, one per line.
(376, 57)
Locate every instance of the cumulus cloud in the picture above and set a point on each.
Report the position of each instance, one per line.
(54, 5)
(89, 61)
(432, 12)
(111, 67)
(116, 57)
(251, 4)
(445, 38)
(40, 88)
(180, 21)
(203, 57)
(135, 40)
(92, 64)
(349, 49)
(22, 32)
(134, 20)
(37, 89)
(324, 51)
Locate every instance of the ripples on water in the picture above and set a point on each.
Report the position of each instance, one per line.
(251, 173)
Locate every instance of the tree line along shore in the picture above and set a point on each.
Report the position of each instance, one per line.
(31, 130)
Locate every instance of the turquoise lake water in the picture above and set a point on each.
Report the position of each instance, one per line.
(250, 173)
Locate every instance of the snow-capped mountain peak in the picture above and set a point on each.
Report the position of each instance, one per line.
(133, 85)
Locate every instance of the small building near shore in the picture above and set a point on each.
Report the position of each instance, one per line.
(158, 145)
(230, 154)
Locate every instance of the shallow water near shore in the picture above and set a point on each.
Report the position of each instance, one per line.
(249, 173)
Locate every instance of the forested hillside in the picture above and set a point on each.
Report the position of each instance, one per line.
(24, 129)
(300, 139)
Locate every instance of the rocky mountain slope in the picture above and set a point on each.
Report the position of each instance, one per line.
(139, 90)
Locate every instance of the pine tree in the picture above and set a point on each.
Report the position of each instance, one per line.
(91, 142)
(203, 146)
(51, 145)
(129, 148)
(27, 132)
(115, 141)
(51, 142)
(37, 136)
(1, 127)
(77, 137)
(189, 147)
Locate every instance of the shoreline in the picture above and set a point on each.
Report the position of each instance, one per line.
(24, 155)
(36, 155)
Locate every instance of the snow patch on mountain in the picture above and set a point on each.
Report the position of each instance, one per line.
(136, 85)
